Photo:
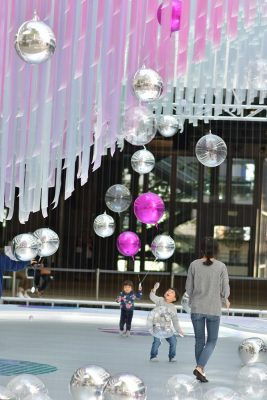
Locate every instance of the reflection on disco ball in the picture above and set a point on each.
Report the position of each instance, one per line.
(147, 85)
(221, 393)
(184, 387)
(49, 241)
(185, 303)
(38, 396)
(35, 41)
(211, 150)
(252, 350)
(104, 225)
(25, 385)
(25, 247)
(88, 382)
(5, 394)
(142, 161)
(252, 381)
(255, 373)
(118, 198)
(163, 247)
(159, 322)
(168, 125)
(140, 126)
(125, 387)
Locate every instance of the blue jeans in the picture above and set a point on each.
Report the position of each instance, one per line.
(203, 348)
(157, 342)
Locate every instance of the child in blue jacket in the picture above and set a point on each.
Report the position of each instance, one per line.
(126, 299)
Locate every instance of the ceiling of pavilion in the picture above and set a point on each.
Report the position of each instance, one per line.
(71, 105)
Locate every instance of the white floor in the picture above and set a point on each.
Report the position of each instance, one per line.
(70, 338)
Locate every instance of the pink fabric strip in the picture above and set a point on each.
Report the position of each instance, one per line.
(200, 30)
(232, 18)
(183, 38)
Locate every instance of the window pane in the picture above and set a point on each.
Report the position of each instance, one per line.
(219, 195)
(233, 247)
(243, 177)
(187, 179)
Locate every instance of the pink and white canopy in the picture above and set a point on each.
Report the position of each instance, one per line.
(54, 112)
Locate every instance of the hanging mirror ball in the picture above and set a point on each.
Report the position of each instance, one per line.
(49, 241)
(25, 247)
(163, 247)
(35, 41)
(104, 225)
(147, 84)
(142, 161)
(118, 198)
(211, 150)
(168, 125)
(140, 126)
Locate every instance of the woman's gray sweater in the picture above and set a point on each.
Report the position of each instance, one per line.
(207, 287)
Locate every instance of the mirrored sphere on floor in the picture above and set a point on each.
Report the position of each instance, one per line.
(252, 350)
(221, 393)
(25, 385)
(181, 386)
(88, 382)
(252, 381)
(6, 394)
(125, 387)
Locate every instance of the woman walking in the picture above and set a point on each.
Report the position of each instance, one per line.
(207, 286)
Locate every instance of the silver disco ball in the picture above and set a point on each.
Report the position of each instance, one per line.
(25, 247)
(88, 382)
(25, 385)
(35, 41)
(185, 303)
(139, 126)
(252, 381)
(252, 350)
(49, 241)
(221, 393)
(182, 386)
(104, 225)
(147, 85)
(168, 125)
(159, 322)
(163, 247)
(211, 150)
(118, 198)
(38, 396)
(5, 394)
(143, 161)
(125, 387)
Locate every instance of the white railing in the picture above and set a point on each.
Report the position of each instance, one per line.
(113, 304)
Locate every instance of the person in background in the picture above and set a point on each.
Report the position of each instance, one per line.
(42, 276)
(207, 286)
(170, 297)
(23, 288)
(126, 299)
(11, 265)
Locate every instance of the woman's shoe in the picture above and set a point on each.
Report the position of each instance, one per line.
(199, 376)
